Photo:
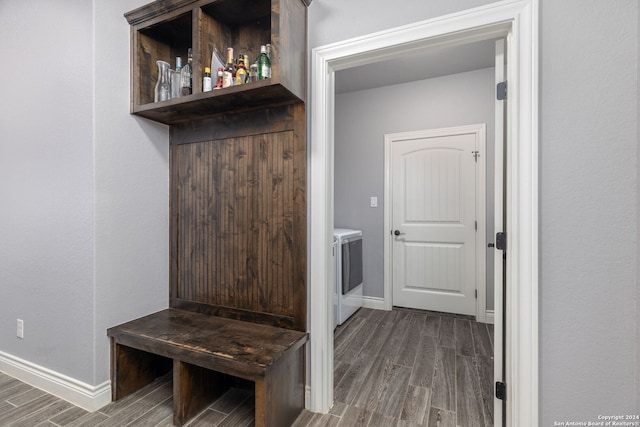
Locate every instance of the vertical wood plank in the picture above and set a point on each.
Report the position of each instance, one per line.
(444, 380)
(240, 223)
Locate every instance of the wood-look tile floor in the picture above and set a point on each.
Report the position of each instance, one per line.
(410, 368)
(398, 368)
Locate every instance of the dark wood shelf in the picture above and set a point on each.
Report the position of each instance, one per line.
(165, 29)
(251, 96)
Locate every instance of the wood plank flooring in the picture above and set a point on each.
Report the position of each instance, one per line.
(400, 368)
(410, 368)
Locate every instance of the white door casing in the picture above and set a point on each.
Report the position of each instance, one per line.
(518, 20)
(498, 224)
(436, 193)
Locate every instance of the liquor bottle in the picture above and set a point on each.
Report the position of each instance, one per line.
(186, 76)
(175, 79)
(264, 64)
(229, 70)
(268, 47)
(220, 78)
(241, 73)
(206, 80)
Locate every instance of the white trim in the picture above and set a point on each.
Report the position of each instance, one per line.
(520, 19)
(375, 303)
(498, 225)
(489, 317)
(480, 131)
(88, 397)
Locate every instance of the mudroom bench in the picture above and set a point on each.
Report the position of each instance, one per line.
(206, 353)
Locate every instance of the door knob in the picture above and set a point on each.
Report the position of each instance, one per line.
(397, 232)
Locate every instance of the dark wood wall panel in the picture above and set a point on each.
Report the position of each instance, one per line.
(238, 204)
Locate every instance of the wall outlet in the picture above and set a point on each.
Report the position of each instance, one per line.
(20, 329)
(374, 202)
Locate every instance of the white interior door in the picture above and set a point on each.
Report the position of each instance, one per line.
(434, 218)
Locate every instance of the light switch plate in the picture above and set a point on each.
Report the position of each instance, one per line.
(374, 202)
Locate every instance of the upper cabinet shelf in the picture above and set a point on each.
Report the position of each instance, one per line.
(163, 30)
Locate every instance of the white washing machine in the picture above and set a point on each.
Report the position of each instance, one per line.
(347, 294)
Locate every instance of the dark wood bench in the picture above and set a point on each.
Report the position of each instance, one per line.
(205, 353)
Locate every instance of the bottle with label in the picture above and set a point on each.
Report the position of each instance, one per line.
(206, 80)
(186, 76)
(253, 72)
(264, 64)
(268, 47)
(220, 78)
(241, 73)
(229, 70)
(175, 79)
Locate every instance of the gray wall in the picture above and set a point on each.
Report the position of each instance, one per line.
(46, 184)
(588, 208)
(84, 186)
(132, 190)
(364, 117)
(588, 190)
(62, 215)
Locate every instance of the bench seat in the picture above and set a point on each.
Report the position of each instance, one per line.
(203, 350)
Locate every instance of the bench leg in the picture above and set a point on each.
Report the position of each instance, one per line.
(194, 388)
(132, 369)
(280, 393)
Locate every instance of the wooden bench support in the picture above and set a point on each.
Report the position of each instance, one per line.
(208, 355)
(194, 388)
(135, 369)
(280, 393)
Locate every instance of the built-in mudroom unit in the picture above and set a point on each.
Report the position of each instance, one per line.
(237, 314)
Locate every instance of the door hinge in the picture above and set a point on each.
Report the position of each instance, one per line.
(476, 294)
(501, 390)
(501, 91)
(475, 155)
(501, 241)
(476, 225)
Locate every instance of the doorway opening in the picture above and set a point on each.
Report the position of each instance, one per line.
(517, 21)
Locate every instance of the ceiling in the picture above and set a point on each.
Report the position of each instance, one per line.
(434, 62)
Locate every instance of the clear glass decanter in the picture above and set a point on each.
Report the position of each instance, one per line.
(163, 85)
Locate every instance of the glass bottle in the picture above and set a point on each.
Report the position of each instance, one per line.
(163, 87)
(175, 79)
(206, 80)
(229, 70)
(264, 64)
(241, 73)
(253, 72)
(220, 78)
(186, 76)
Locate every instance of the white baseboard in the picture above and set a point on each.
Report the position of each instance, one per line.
(490, 316)
(88, 397)
(375, 303)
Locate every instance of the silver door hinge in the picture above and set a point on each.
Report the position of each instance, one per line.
(476, 225)
(476, 294)
(501, 91)
(475, 155)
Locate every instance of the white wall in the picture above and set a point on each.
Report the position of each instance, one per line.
(47, 183)
(361, 121)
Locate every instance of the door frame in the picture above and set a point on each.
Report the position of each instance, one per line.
(480, 131)
(518, 20)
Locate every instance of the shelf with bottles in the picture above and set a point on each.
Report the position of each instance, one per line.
(166, 29)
